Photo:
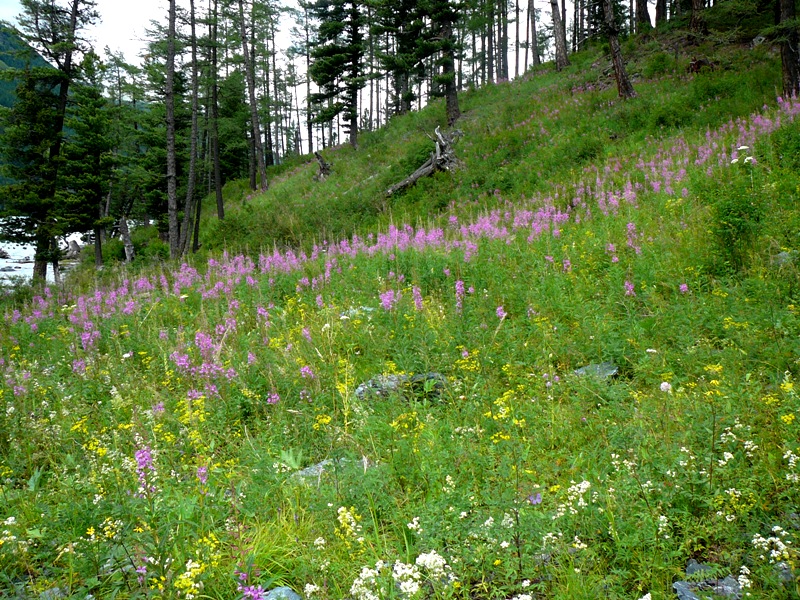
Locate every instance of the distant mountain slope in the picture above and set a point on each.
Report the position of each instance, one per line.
(14, 54)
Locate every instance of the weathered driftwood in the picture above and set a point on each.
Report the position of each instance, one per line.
(443, 158)
(324, 167)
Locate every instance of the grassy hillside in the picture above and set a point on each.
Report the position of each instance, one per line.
(562, 372)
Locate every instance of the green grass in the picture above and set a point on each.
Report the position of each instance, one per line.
(151, 429)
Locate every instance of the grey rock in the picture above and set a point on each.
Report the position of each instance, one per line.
(603, 370)
(4, 253)
(784, 571)
(382, 385)
(315, 472)
(683, 589)
(781, 259)
(728, 587)
(8, 269)
(282, 593)
(757, 41)
(693, 567)
(422, 385)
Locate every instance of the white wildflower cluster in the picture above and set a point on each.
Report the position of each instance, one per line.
(10, 541)
(311, 590)
(578, 544)
(522, 597)
(575, 499)
(365, 586)
(792, 458)
(743, 579)
(414, 525)
(280, 467)
(618, 462)
(508, 521)
(663, 526)
(319, 543)
(551, 539)
(646, 597)
(404, 579)
(449, 485)
(436, 566)
(686, 457)
(407, 578)
(726, 458)
(774, 548)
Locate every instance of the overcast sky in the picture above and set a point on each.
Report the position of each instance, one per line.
(121, 27)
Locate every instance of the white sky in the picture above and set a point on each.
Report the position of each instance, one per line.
(121, 27)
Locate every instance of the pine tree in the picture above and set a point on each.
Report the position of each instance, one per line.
(88, 154)
(337, 62)
(30, 211)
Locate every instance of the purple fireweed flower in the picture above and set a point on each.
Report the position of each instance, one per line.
(202, 475)
(145, 471)
(459, 295)
(306, 372)
(417, 294)
(273, 398)
(389, 299)
(251, 358)
(683, 288)
(307, 334)
(535, 498)
(158, 408)
(320, 303)
(501, 313)
(629, 291)
(252, 592)
(79, 366)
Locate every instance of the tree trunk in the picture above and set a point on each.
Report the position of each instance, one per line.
(698, 20)
(125, 233)
(249, 68)
(642, 17)
(215, 117)
(534, 39)
(189, 206)
(516, 42)
(661, 12)
(172, 183)
(448, 72)
(790, 53)
(624, 86)
(40, 258)
(560, 39)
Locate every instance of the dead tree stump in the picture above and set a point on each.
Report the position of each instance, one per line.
(324, 167)
(443, 158)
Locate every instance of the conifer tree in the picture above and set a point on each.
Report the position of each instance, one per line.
(337, 62)
(88, 153)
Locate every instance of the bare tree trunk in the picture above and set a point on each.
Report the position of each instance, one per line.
(661, 12)
(698, 20)
(189, 206)
(490, 50)
(126, 238)
(172, 179)
(251, 89)
(560, 39)
(790, 52)
(642, 17)
(448, 72)
(516, 43)
(624, 86)
(534, 39)
(215, 116)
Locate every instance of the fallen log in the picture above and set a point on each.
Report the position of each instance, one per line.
(443, 158)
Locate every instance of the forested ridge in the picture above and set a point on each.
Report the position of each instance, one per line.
(219, 96)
